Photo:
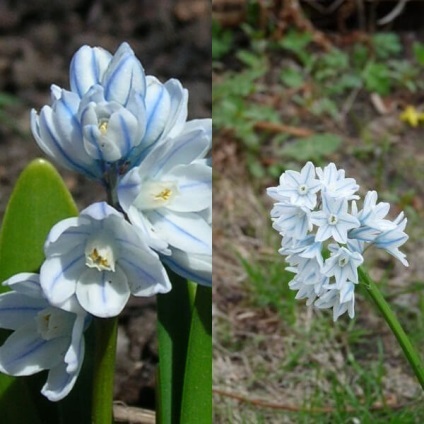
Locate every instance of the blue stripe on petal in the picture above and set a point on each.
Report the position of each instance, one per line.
(73, 164)
(182, 231)
(149, 277)
(185, 273)
(33, 348)
(64, 269)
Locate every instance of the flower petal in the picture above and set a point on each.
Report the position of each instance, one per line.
(146, 274)
(75, 353)
(59, 382)
(26, 353)
(103, 294)
(158, 106)
(59, 274)
(100, 210)
(123, 74)
(26, 283)
(87, 68)
(186, 231)
(178, 108)
(66, 235)
(16, 309)
(197, 268)
(194, 188)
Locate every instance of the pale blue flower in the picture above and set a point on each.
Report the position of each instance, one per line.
(111, 117)
(340, 301)
(334, 183)
(300, 187)
(98, 259)
(342, 265)
(293, 221)
(390, 240)
(314, 216)
(44, 337)
(333, 220)
(170, 195)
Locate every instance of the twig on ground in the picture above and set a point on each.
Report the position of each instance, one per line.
(132, 415)
(280, 128)
(389, 403)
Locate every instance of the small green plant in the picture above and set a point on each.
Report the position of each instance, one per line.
(222, 41)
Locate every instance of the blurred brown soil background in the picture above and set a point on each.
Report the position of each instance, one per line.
(171, 38)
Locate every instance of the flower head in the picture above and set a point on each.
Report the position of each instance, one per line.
(111, 116)
(44, 337)
(97, 260)
(322, 220)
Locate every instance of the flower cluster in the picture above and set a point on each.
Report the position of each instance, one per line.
(325, 233)
(129, 132)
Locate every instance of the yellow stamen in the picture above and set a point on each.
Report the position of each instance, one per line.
(98, 259)
(103, 127)
(165, 194)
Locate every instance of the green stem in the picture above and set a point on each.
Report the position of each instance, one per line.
(104, 369)
(174, 319)
(196, 404)
(394, 324)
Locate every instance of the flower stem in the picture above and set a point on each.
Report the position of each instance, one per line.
(196, 406)
(104, 369)
(174, 321)
(394, 324)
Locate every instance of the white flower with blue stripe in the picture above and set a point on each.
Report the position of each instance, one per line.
(97, 260)
(112, 115)
(170, 195)
(44, 337)
(320, 219)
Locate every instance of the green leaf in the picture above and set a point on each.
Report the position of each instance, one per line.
(292, 78)
(197, 395)
(312, 148)
(377, 78)
(419, 52)
(222, 41)
(174, 320)
(386, 44)
(40, 199)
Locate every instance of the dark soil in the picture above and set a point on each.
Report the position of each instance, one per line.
(37, 40)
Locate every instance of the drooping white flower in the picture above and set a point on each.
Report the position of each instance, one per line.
(340, 301)
(44, 337)
(98, 260)
(170, 193)
(293, 220)
(391, 239)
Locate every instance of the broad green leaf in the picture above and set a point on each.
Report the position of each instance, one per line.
(312, 148)
(174, 320)
(39, 200)
(196, 404)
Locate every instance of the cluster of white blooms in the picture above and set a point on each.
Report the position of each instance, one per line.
(129, 132)
(325, 233)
